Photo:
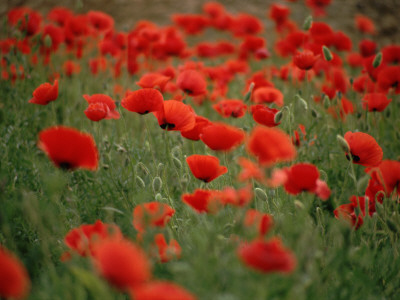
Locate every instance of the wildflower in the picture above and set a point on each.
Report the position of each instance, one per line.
(305, 60)
(202, 201)
(222, 137)
(268, 95)
(143, 101)
(192, 83)
(45, 93)
(161, 290)
(231, 108)
(375, 101)
(260, 221)
(166, 251)
(205, 167)
(151, 214)
(176, 116)
(364, 150)
(197, 130)
(264, 115)
(250, 170)
(106, 102)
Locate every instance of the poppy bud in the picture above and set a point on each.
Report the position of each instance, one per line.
(141, 167)
(260, 194)
(327, 53)
(48, 42)
(160, 168)
(307, 23)
(158, 197)
(363, 183)
(278, 117)
(377, 60)
(301, 101)
(326, 102)
(343, 143)
(298, 204)
(157, 184)
(314, 113)
(177, 163)
(139, 182)
(248, 94)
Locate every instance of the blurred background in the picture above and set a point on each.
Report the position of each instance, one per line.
(340, 14)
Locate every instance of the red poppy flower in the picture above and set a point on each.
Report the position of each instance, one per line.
(69, 148)
(26, 18)
(231, 108)
(261, 221)
(203, 201)
(364, 24)
(205, 167)
(166, 251)
(82, 238)
(305, 60)
(45, 93)
(367, 48)
(191, 23)
(270, 145)
(387, 175)
(267, 256)
(143, 101)
(197, 130)
(100, 21)
(375, 101)
(245, 24)
(264, 115)
(71, 68)
(192, 83)
(347, 211)
(96, 111)
(161, 290)
(152, 214)
(318, 6)
(268, 95)
(153, 80)
(249, 170)
(59, 15)
(279, 14)
(364, 149)
(301, 177)
(122, 263)
(14, 280)
(240, 197)
(176, 116)
(389, 77)
(105, 100)
(391, 54)
(222, 137)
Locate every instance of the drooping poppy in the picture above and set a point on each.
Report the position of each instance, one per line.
(82, 239)
(151, 214)
(161, 290)
(14, 279)
(270, 145)
(364, 150)
(105, 100)
(122, 263)
(305, 60)
(176, 116)
(222, 137)
(268, 95)
(45, 93)
(267, 256)
(260, 221)
(230, 108)
(69, 148)
(205, 167)
(203, 201)
(166, 251)
(143, 101)
(192, 83)
(264, 115)
(375, 101)
(197, 130)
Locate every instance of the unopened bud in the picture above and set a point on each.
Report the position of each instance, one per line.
(298, 204)
(177, 163)
(278, 117)
(326, 101)
(377, 60)
(327, 53)
(140, 182)
(314, 113)
(160, 168)
(343, 143)
(248, 94)
(301, 101)
(157, 184)
(48, 42)
(261, 194)
(158, 197)
(363, 183)
(307, 23)
(141, 167)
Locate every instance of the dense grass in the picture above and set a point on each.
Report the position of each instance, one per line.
(40, 203)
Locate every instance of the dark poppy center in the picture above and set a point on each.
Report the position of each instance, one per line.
(65, 165)
(189, 92)
(145, 112)
(167, 126)
(354, 157)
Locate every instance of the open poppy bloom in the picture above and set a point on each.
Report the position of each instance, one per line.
(205, 167)
(104, 100)
(192, 83)
(69, 148)
(364, 150)
(176, 116)
(364, 24)
(236, 197)
(197, 130)
(222, 137)
(161, 290)
(45, 93)
(268, 95)
(82, 238)
(166, 251)
(121, 263)
(375, 101)
(96, 111)
(153, 80)
(231, 108)
(347, 212)
(386, 177)
(152, 214)
(250, 170)
(264, 115)
(270, 145)
(267, 256)
(143, 101)
(203, 201)
(14, 279)
(260, 221)
(305, 60)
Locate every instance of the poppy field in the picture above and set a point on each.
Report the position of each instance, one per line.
(222, 156)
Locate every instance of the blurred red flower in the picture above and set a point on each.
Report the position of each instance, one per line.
(45, 93)
(205, 167)
(364, 150)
